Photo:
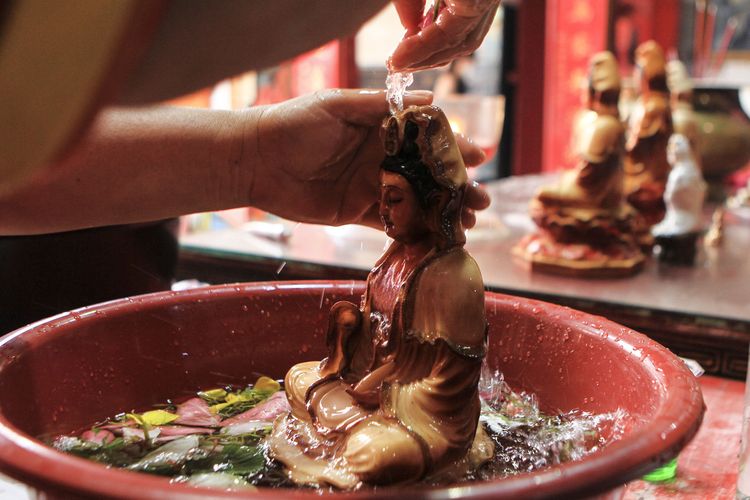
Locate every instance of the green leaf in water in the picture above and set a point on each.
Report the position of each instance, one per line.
(665, 473)
(241, 402)
(238, 459)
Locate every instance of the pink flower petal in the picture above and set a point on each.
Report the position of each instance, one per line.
(195, 411)
(100, 436)
(268, 410)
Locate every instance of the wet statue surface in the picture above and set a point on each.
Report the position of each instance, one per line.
(396, 400)
(585, 226)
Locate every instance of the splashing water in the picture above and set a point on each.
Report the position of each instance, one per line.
(526, 439)
(395, 84)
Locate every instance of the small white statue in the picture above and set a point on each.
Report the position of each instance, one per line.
(684, 192)
(675, 236)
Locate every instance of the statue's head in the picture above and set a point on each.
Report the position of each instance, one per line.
(604, 79)
(678, 149)
(678, 81)
(423, 177)
(651, 63)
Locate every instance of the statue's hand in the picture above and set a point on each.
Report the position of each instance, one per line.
(366, 399)
(343, 321)
(367, 390)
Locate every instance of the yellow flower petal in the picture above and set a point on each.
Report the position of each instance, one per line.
(158, 417)
(214, 393)
(233, 398)
(217, 407)
(267, 384)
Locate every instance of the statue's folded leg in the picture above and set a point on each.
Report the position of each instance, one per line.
(566, 191)
(382, 451)
(332, 407)
(298, 380)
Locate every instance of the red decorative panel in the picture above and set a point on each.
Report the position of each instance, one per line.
(575, 30)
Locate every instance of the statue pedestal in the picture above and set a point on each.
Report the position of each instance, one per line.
(540, 252)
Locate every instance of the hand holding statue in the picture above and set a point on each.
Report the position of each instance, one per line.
(320, 155)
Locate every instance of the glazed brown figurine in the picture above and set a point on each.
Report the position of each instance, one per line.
(585, 227)
(396, 400)
(649, 130)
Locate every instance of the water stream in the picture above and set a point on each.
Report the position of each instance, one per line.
(396, 84)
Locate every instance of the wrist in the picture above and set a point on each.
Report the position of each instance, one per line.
(256, 159)
(244, 164)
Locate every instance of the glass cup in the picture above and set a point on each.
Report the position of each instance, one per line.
(478, 117)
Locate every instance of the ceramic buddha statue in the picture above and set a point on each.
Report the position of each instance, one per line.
(396, 400)
(677, 233)
(649, 129)
(585, 227)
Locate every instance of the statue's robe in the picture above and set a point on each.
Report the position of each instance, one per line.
(423, 331)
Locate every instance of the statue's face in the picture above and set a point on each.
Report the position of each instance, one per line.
(678, 148)
(402, 216)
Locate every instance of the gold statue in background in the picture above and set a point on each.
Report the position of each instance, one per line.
(396, 400)
(585, 227)
(649, 130)
(684, 121)
(596, 182)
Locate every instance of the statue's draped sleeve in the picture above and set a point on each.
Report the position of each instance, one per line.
(439, 359)
(656, 117)
(648, 140)
(601, 159)
(605, 140)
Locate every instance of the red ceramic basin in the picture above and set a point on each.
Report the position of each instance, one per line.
(66, 372)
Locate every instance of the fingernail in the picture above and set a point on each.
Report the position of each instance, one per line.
(418, 93)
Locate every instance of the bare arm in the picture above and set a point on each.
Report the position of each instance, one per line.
(141, 164)
(311, 159)
(201, 42)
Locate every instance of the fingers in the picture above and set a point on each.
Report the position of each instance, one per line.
(459, 30)
(476, 197)
(365, 107)
(414, 49)
(468, 218)
(471, 153)
(410, 13)
(468, 44)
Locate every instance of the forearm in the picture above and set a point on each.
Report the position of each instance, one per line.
(199, 43)
(137, 165)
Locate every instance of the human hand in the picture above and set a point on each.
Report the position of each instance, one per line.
(458, 30)
(319, 158)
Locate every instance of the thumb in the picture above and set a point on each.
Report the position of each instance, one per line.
(367, 107)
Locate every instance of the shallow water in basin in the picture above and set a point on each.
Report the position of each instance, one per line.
(215, 439)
